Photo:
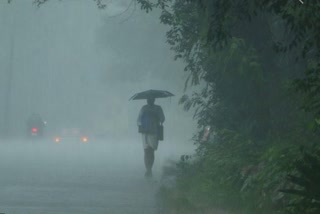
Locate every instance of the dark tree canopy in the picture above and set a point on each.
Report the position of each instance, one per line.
(220, 21)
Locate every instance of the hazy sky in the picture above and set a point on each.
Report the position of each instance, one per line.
(77, 66)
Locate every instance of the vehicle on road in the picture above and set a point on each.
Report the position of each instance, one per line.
(70, 135)
(35, 126)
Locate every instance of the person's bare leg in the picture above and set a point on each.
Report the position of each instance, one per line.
(148, 160)
(151, 158)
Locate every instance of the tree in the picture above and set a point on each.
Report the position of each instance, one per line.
(219, 25)
(249, 67)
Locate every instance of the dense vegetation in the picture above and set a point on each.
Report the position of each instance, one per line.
(258, 63)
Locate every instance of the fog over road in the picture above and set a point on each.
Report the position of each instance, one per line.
(71, 177)
(77, 66)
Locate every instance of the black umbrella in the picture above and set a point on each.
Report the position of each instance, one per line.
(151, 94)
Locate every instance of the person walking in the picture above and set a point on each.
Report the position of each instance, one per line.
(149, 120)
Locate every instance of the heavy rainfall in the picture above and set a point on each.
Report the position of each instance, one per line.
(159, 106)
(76, 67)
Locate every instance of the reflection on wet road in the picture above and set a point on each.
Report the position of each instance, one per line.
(97, 177)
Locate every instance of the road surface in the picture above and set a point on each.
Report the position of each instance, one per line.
(73, 177)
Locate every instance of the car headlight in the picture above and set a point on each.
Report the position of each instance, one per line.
(84, 139)
(57, 139)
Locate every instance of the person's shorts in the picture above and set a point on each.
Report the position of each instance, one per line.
(150, 140)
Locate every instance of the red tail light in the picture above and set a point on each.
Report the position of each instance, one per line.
(34, 130)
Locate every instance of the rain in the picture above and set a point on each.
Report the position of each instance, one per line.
(76, 66)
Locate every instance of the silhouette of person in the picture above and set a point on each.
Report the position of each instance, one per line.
(150, 118)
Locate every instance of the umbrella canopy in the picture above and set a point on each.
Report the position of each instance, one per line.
(151, 94)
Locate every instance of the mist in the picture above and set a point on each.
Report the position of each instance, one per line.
(77, 66)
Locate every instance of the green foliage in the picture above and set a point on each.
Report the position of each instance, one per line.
(246, 100)
(210, 25)
(233, 97)
(234, 174)
(306, 184)
(310, 85)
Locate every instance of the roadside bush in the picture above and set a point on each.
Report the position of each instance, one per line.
(237, 175)
(305, 186)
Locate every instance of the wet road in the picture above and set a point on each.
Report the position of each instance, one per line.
(71, 177)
